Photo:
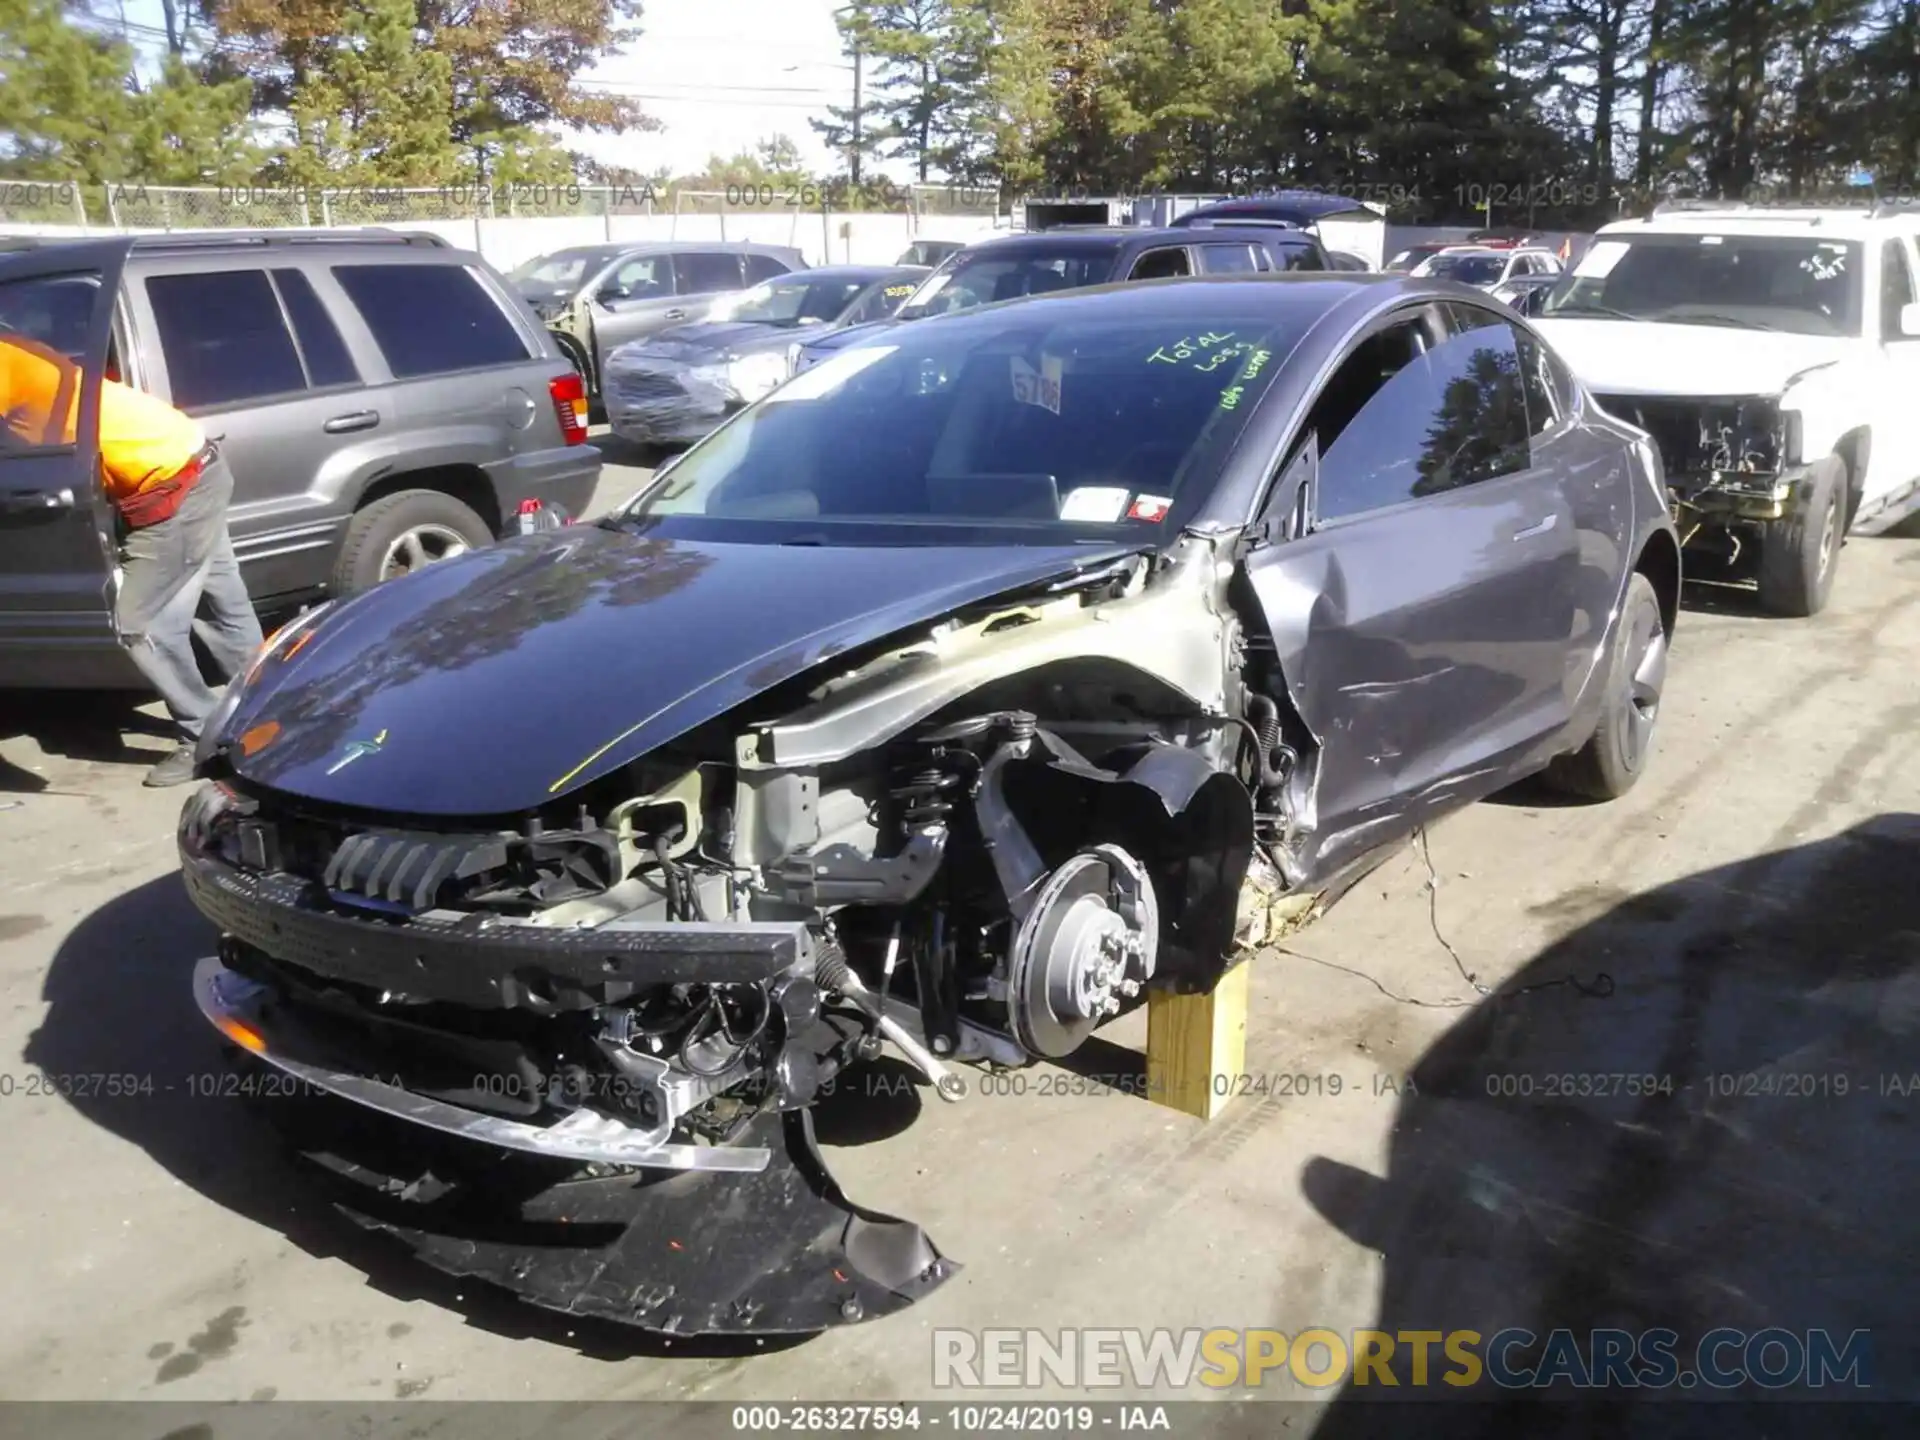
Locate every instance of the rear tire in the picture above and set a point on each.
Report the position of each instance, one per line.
(1799, 554)
(1611, 761)
(402, 532)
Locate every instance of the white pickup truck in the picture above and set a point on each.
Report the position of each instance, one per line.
(1773, 355)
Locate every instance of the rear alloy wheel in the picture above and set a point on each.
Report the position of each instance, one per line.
(1609, 764)
(1799, 554)
(404, 532)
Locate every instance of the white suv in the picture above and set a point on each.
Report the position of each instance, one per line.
(1773, 356)
(1488, 266)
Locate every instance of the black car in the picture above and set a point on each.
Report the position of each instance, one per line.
(678, 385)
(1072, 257)
(930, 252)
(951, 697)
(1301, 209)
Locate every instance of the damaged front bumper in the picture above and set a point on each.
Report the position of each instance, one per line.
(1727, 460)
(244, 1011)
(1718, 498)
(664, 402)
(584, 1208)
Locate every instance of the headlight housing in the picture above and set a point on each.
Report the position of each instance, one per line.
(213, 729)
(751, 376)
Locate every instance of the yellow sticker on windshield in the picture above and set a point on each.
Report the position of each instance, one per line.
(893, 290)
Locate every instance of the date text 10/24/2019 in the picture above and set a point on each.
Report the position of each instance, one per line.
(1043, 1083)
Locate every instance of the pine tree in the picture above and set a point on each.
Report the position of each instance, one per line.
(66, 102)
(186, 131)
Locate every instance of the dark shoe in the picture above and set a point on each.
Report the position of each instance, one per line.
(176, 769)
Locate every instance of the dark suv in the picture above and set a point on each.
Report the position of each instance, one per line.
(1072, 257)
(383, 399)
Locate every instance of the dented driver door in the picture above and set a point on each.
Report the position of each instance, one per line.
(1421, 594)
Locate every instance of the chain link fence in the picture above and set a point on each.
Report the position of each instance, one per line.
(133, 205)
(43, 202)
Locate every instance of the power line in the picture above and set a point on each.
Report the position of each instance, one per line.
(697, 88)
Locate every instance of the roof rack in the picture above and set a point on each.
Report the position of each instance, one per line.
(1867, 205)
(1242, 222)
(215, 239)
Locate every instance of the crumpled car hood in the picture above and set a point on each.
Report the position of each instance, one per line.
(696, 343)
(1619, 357)
(501, 679)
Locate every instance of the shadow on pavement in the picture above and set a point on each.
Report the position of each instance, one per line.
(119, 1003)
(91, 725)
(1763, 1174)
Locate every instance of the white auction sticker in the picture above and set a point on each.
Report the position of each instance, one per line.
(1102, 504)
(1038, 387)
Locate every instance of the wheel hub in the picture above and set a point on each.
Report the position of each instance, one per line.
(1086, 947)
(419, 546)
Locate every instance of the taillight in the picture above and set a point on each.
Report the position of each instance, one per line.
(569, 393)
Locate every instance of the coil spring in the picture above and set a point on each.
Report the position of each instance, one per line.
(925, 796)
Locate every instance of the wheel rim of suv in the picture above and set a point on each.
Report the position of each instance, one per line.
(1829, 533)
(420, 546)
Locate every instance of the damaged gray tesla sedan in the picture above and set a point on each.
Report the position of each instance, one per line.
(966, 687)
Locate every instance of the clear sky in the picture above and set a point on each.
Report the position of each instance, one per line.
(720, 76)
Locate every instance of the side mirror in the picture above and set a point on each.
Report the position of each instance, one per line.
(614, 292)
(1910, 320)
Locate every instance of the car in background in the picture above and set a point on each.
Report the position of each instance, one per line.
(1404, 261)
(675, 387)
(1069, 257)
(1487, 266)
(930, 252)
(383, 400)
(966, 691)
(595, 298)
(1526, 292)
(1299, 209)
(1773, 355)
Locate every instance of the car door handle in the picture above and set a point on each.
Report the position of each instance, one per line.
(35, 504)
(1527, 532)
(358, 420)
(675, 314)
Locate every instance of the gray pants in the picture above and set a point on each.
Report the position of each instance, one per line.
(180, 576)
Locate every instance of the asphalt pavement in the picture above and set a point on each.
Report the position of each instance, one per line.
(1414, 1150)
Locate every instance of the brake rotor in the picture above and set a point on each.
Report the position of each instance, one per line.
(1086, 946)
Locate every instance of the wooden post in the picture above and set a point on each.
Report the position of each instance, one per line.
(1197, 1044)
